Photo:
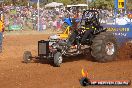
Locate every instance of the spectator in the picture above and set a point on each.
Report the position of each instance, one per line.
(54, 25)
(1, 34)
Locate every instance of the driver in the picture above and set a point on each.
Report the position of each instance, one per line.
(87, 29)
(90, 26)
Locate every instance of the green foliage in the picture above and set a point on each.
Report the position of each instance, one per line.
(16, 2)
(103, 4)
(7, 2)
(129, 5)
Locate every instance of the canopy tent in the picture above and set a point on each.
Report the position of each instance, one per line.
(71, 5)
(54, 4)
(81, 5)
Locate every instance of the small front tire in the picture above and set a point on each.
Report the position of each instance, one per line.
(27, 57)
(58, 59)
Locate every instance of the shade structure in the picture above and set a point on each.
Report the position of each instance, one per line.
(81, 5)
(53, 4)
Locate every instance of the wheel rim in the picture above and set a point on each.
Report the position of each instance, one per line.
(60, 59)
(110, 49)
(28, 58)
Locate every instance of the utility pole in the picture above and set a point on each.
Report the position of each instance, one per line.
(28, 3)
(38, 6)
(87, 4)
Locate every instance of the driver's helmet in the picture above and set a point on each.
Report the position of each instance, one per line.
(88, 21)
(89, 18)
(89, 15)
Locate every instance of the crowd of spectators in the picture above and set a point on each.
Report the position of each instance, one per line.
(28, 16)
(18, 15)
(48, 18)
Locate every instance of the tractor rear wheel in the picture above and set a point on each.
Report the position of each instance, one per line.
(104, 47)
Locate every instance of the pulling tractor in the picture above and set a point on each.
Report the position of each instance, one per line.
(102, 44)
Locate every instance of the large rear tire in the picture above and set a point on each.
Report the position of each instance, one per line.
(104, 47)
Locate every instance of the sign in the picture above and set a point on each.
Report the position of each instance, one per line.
(121, 4)
(15, 27)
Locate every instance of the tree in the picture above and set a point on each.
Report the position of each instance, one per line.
(129, 5)
(7, 2)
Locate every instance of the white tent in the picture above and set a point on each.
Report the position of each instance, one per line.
(82, 5)
(71, 5)
(77, 5)
(54, 4)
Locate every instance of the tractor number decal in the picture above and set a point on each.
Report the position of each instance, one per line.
(119, 31)
(120, 34)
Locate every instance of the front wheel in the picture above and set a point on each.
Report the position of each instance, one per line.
(58, 59)
(27, 56)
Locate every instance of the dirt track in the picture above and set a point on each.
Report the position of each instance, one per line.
(16, 74)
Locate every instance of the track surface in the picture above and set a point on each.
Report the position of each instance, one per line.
(16, 74)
